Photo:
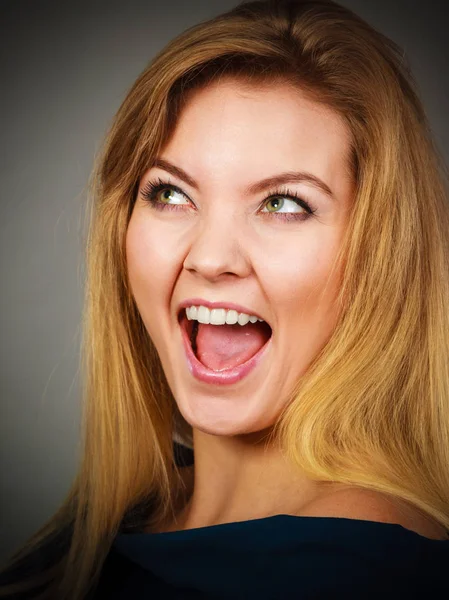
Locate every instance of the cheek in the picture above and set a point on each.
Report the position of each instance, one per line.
(150, 261)
(152, 269)
(301, 277)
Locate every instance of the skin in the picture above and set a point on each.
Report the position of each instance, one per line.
(219, 246)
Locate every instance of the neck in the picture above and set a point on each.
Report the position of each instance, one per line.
(239, 479)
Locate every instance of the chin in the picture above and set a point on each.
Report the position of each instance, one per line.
(226, 426)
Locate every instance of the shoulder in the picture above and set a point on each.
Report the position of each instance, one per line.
(367, 505)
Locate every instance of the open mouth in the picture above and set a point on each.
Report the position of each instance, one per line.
(223, 347)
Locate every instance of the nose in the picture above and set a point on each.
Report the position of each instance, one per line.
(217, 249)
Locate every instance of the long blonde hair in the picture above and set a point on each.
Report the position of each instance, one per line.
(372, 410)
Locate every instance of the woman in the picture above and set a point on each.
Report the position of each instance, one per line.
(272, 170)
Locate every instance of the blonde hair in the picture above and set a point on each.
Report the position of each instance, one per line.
(372, 410)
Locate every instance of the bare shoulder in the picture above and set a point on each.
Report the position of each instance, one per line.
(366, 505)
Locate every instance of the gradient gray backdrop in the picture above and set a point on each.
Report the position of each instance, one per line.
(66, 67)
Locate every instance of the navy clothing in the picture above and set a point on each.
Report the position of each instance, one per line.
(276, 558)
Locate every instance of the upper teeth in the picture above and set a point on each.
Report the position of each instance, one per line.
(219, 316)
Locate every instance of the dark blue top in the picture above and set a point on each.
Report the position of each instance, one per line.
(278, 557)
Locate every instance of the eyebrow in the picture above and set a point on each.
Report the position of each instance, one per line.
(254, 188)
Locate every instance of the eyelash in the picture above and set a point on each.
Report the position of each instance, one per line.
(152, 188)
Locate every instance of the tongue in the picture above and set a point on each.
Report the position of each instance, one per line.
(222, 347)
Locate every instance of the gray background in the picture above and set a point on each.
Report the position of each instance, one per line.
(65, 68)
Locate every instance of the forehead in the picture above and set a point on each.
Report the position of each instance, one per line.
(230, 123)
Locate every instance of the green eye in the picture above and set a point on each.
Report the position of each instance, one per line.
(168, 196)
(277, 202)
(165, 195)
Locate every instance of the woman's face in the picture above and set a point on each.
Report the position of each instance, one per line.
(226, 235)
